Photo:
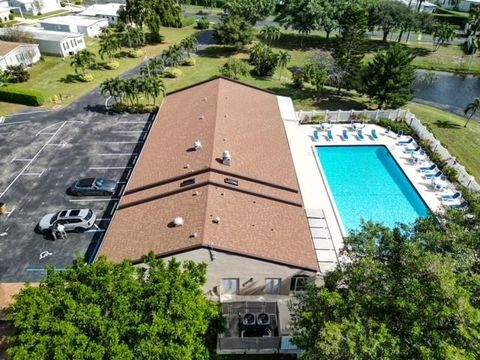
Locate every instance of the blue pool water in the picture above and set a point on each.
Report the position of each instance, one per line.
(367, 183)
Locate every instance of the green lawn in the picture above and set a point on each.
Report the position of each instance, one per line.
(47, 15)
(463, 143)
(54, 76)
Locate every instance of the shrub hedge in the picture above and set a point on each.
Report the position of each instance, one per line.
(22, 96)
(396, 126)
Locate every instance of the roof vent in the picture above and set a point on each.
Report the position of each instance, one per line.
(201, 117)
(194, 235)
(226, 158)
(197, 145)
(216, 220)
(205, 98)
(178, 221)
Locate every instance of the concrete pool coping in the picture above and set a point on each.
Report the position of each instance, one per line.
(315, 190)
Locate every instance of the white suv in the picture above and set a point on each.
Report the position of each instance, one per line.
(77, 220)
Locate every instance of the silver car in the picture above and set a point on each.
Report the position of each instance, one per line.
(77, 220)
(93, 186)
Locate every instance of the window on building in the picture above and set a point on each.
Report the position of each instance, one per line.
(230, 286)
(298, 283)
(272, 285)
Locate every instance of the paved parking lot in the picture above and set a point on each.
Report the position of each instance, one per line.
(42, 154)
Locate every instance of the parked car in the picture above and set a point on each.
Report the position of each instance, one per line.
(77, 220)
(93, 186)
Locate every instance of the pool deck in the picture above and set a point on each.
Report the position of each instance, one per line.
(325, 222)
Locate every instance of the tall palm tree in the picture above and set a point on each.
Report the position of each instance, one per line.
(114, 87)
(283, 60)
(472, 109)
(82, 60)
(108, 46)
(156, 88)
(270, 33)
(173, 56)
(189, 44)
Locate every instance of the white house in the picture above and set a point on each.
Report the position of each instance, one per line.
(105, 11)
(425, 6)
(464, 5)
(88, 26)
(4, 11)
(35, 7)
(56, 43)
(12, 53)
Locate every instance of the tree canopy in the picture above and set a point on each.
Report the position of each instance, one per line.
(250, 10)
(407, 293)
(388, 79)
(115, 311)
(234, 31)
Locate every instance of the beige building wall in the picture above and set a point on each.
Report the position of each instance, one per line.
(250, 272)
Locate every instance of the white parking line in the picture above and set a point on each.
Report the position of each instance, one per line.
(104, 219)
(121, 189)
(130, 122)
(113, 209)
(33, 159)
(10, 212)
(122, 142)
(14, 122)
(33, 174)
(128, 154)
(97, 230)
(109, 167)
(5, 133)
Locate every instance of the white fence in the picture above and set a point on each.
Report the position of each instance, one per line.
(422, 132)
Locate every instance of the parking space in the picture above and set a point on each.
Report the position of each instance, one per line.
(42, 155)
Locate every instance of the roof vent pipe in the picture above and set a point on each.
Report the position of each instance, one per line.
(178, 221)
(226, 158)
(216, 220)
(197, 145)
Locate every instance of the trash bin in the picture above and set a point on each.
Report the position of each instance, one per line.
(3, 208)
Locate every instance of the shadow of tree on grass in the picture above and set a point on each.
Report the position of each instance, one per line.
(446, 124)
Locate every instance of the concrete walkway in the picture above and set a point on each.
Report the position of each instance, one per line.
(324, 218)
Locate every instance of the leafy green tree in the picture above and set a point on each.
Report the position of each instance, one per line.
(329, 15)
(270, 33)
(189, 44)
(316, 74)
(443, 33)
(283, 59)
(301, 16)
(388, 16)
(350, 47)
(169, 12)
(407, 293)
(250, 10)
(115, 311)
(134, 12)
(82, 60)
(389, 78)
(234, 68)
(234, 31)
(472, 109)
(263, 59)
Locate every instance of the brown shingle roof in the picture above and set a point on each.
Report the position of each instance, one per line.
(263, 217)
(7, 46)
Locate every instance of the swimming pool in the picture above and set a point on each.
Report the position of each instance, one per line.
(367, 183)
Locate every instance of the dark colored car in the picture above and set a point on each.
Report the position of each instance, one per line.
(93, 186)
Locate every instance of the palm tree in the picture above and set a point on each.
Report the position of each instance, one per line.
(156, 87)
(82, 60)
(108, 46)
(114, 87)
(472, 109)
(173, 56)
(283, 60)
(270, 33)
(189, 44)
